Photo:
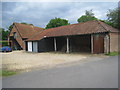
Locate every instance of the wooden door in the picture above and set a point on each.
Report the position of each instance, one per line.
(98, 44)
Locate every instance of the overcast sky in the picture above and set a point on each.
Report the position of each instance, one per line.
(39, 13)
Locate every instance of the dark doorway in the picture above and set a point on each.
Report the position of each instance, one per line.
(46, 45)
(61, 44)
(80, 43)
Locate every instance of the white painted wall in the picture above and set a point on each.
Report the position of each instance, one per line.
(30, 46)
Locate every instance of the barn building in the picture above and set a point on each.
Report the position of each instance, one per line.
(19, 33)
(92, 36)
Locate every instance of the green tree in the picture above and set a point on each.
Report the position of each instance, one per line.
(89, 15)
(4, 33)
(107, 22)
(10, 27)
(114, 17)
(56, 23)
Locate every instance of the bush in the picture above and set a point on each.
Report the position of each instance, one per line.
(3, 43)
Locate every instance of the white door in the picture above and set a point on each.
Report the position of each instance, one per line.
(30, 46)
(35, 47)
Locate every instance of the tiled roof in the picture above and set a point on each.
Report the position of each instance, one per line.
(89, 27)
(27, 31)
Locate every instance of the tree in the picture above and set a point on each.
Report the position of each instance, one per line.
(4, 33)
(107, 22)
(10, 27)
(89, 15)
(114, 17)
(56, 23)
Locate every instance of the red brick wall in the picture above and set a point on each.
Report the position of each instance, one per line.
(18, 38)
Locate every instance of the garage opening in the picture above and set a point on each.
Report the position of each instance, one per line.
(46, 45)
(61, 44)
(80, 43)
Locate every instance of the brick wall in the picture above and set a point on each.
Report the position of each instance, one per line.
(114, 37)
(18, 37)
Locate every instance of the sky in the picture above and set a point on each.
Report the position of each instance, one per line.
(40, 13)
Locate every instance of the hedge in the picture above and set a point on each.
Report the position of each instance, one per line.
(3, 43)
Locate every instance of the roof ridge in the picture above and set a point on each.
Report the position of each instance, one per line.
(28, 25)
(102, 25)
(68, 25)
(34, 35)
(18, 30)
(38, 27)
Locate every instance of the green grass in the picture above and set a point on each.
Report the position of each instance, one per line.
(5, 73)
(113, 53)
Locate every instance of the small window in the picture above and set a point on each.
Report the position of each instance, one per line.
(15, 34)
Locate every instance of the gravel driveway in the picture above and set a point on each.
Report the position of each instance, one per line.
(100, 73)
(24, 61)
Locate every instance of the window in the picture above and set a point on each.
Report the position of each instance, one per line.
(14, 34)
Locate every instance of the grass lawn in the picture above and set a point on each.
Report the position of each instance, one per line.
(6, 73)
(113, 53)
